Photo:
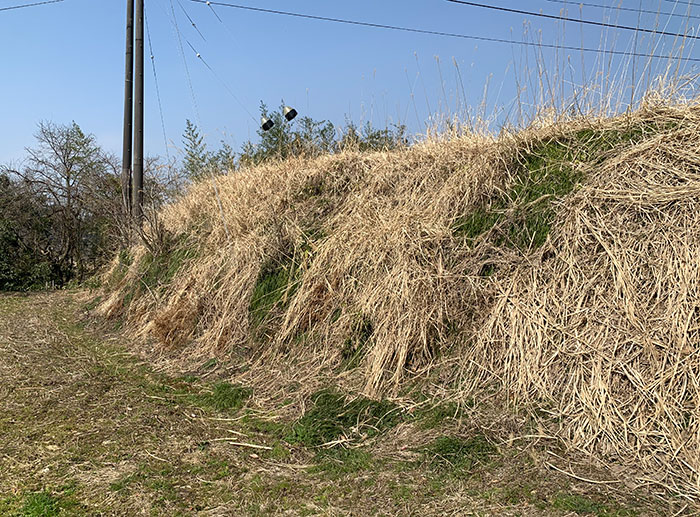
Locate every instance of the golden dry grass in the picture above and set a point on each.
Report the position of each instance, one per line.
(599, 326)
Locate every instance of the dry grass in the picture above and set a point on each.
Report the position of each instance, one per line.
(87, 429)
(605, 327)
(582, 301)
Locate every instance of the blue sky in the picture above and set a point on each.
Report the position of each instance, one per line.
(65, 62)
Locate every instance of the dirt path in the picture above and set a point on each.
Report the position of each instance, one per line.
(88, 429)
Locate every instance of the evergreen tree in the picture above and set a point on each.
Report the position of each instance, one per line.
(196, 154)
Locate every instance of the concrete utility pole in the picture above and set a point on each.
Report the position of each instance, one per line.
(137, 192)
(128, 106)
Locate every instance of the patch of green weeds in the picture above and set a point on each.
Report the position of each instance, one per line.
(125, 258)
(516, 494)
(93, 283)
(211, 363)
(274, 287)
(226, 396)
(279, 451)
(473, 224)
(278, 279)
(547, 171)
(402, 491)
(434, 416)
(43, 504)
(90, 306)
(119, 272)
(355, 346)
(157, 271)
(585, 506)
(272, 428)
(8, 504)
(123, 483)
(40, 504)
(340, 461)
(165, 490)
(458, 455)
(332, 416)
(158, 480)
(221, 469)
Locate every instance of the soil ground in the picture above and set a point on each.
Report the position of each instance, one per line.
(89, 428)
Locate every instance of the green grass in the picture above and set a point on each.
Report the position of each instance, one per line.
(41, 504)
(355, 346)
(332, 416)
(125, 260)
(546, 172)
(524, 213)
(157, 271)
(585, 506)
(339, 461)
(44, 503)
(435, 416)
(273, 428)
(273, 289)
(226, 396)
(452, 454)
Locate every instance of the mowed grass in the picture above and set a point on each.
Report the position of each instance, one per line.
(86, 428)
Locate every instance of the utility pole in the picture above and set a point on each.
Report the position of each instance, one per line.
(128, 106)
(137, 192)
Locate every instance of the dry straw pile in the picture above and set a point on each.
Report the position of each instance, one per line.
(558, 266)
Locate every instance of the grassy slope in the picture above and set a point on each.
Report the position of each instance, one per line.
(88, 429)
(554, 266)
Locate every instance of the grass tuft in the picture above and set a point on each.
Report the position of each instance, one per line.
(339, 461)
(273, 288)
(226, 396)
(457, 455)
(333, 416)
(436, 416)
(585, 506)
(40, 504)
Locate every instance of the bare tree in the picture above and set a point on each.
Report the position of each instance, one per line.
(66, 167)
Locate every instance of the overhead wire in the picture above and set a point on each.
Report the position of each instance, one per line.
(440, 33)
(199, 56)
(155, 78)
(211, 69)
(622, 8)
(199, 120)
(230, 31)
(573, 20)
(681, 2)
(184, 62)
(191, 20)
(35, 4)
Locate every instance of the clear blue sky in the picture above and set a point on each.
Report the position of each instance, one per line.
(65, 61)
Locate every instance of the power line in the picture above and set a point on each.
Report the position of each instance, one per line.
(621, 8)
(173, 21)
(155, 78)
(222, 22)
(440, 33)
(30, 5)
(574, 20)
(196, 108)
(681, 2)
(191, 21)
(199, 56)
